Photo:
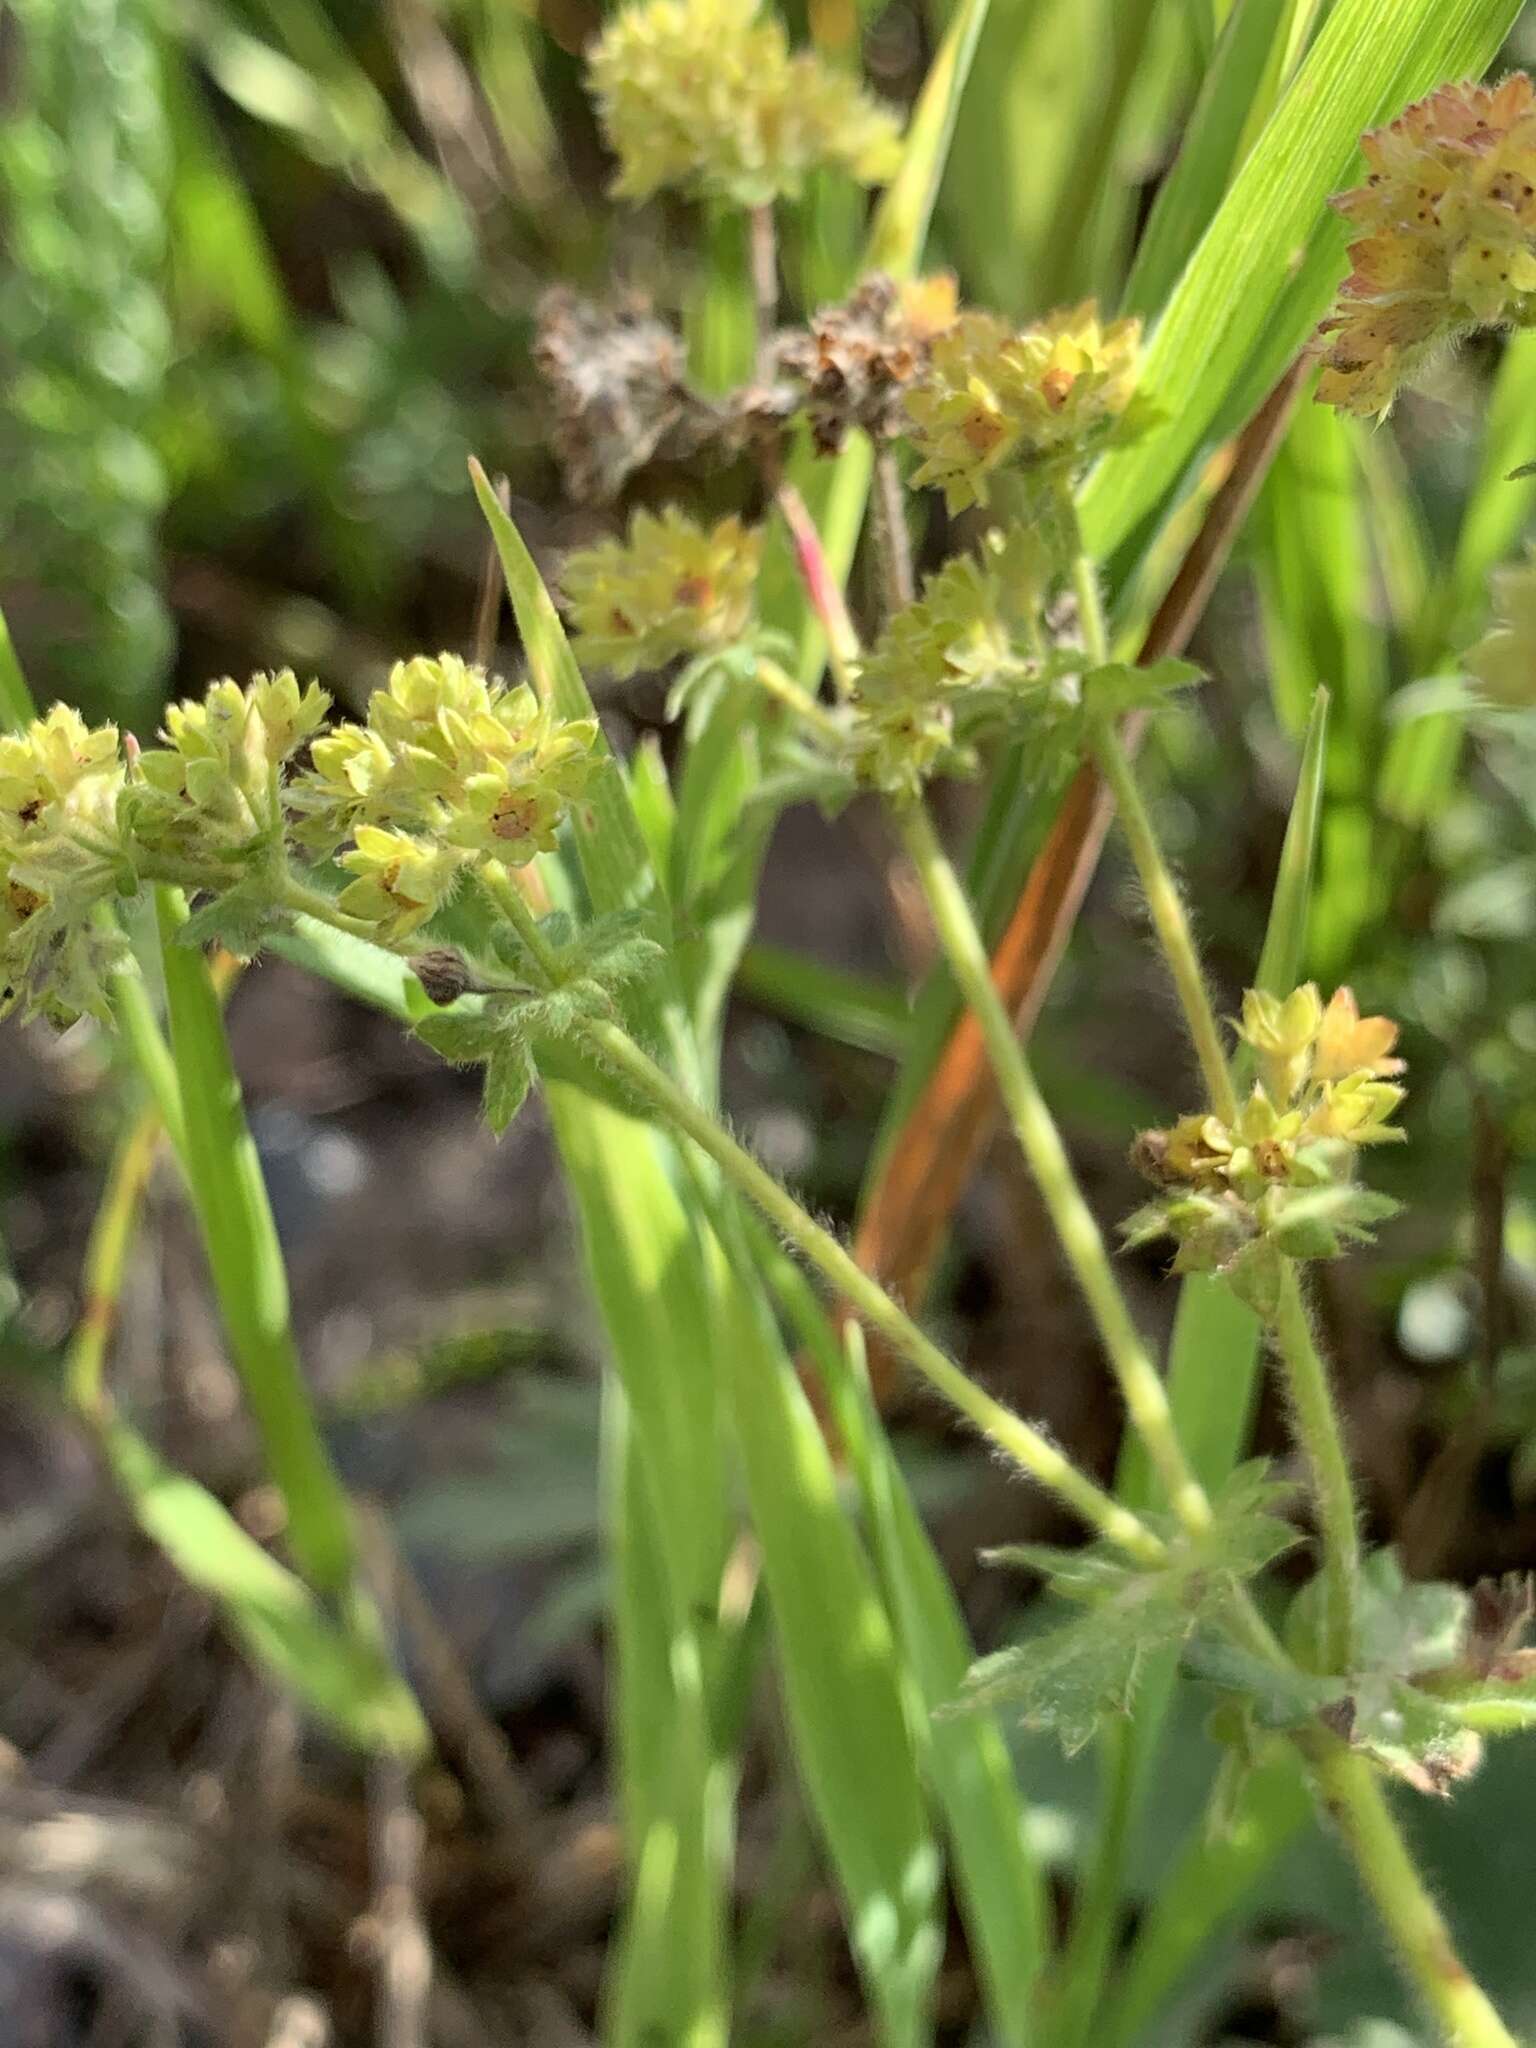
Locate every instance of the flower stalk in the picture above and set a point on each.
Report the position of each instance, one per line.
(1025, 1446)
(1080, 1237)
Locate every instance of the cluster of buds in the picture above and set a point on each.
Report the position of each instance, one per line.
(213, 795)
(1279, 1177)
(670, 588)
(1445, 238)
(1503, 663)
(60, 857)
(1045, 400)
(956, 662)
(452, 767)
(707, 97)
(450, 770)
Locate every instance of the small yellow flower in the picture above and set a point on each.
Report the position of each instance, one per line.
(1047, 398)
(942, 658)
(1357, 1109)
(216, 785)
(61, 855)
(1348, 1043)
(1503, 662)
(452, 756)
(1445, 238)
(1282, 1032)
(399, 881)
(705, 95)
(669, 588)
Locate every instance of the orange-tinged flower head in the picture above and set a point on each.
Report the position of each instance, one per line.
(1444, 238)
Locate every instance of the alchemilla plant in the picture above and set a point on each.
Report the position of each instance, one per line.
(436, 832)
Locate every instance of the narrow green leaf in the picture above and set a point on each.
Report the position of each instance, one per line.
(963, 1756)
(900, 225)
(1285, 936)
(841, 1677)
(1237, 92)
(229, 1196)
(343, 1675)
(668, 1539)
(851, 1009)
(1366, 62)
(609, 843)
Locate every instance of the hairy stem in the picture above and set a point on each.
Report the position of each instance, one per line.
(1358, 1803)
(783, 686)
(1317, 1428)
(1146, 1399)
(1164, 902)
(1024, 1446)
(1169, 919)
(519, 913)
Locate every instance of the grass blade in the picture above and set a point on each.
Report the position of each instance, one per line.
(963, 1756)
(229, 1196)
(343, 1674)
(1365, 63)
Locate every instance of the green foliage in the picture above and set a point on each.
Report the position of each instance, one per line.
(1073, 1676)
(86, 341)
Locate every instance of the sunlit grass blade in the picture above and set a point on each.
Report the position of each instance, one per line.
(615, 860)
(1239, 85)
(841, 1674)
(668, 1540)
(900, 226)
(342, 1673)
(1365, 63)
(229, 1196)
(963, 1755)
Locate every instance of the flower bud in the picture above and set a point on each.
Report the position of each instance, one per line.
(1046, 399)
(442, 973)
(1445, 238)
(669, 588)
(704, 95)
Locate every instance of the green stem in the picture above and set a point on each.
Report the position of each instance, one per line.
(1317, 1427)
(1168, 917)
(1025, 1446)
(229, 1196)
(312, 902)
(783, 686)
(1146, 1398)
(106, 1261)
(1423, 1942)
(519, 913)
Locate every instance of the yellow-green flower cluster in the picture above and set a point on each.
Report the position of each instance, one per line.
(60, 856)
(1281, 1171)
(670, 588)
(215, 789)
(1445, 238)
(944, 659)
(1046, 399)
(1503, 663)
(705, 95)
(451, 766)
